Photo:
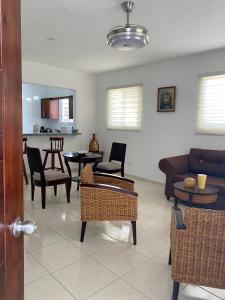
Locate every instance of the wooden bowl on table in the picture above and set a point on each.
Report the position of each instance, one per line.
(189, 182)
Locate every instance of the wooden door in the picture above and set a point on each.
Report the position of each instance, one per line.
(11, 182)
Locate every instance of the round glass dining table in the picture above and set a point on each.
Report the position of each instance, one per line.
(75, 157)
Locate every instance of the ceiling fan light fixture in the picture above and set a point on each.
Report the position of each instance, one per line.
(129, 36)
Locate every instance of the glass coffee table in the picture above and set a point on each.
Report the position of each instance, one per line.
(195, 196)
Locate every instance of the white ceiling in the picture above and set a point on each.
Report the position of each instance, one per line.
(176, 28)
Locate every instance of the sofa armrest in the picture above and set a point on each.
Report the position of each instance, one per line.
(172, 166)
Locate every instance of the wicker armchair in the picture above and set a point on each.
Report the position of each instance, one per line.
(197, 248)
(106, 197)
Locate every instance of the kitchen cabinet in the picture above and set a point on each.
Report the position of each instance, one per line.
(70, 107)
(50, 108)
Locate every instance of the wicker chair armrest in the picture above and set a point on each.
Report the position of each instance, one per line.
(109, 187)
(178, 215)
(113, 176)
(114, 180)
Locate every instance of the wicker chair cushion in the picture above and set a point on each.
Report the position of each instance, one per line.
(86, 175)
(110, 166)
(51, 175)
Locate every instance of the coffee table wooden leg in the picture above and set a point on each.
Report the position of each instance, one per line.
(78, 182)
(176, 202)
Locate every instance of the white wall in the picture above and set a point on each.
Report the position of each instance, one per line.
(85, 86)
(162, 134)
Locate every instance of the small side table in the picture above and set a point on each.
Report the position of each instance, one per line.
(194, 195)
(90, 157)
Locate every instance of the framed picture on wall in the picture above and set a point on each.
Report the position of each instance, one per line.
(166, 99)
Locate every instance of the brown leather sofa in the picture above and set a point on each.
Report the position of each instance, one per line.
(210, 162)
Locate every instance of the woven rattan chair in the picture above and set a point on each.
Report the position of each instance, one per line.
(106, 197)
(198, 248)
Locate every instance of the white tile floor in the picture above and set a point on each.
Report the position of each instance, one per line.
(106, 266)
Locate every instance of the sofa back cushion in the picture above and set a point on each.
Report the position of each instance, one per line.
(210, 162)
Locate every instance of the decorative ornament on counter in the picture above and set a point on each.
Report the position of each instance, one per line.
(36, 128)
(189, 182)
(82, 152)
(94, 145)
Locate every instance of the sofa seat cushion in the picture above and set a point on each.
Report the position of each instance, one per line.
(52, 175)
(211, 180)
(109, 166)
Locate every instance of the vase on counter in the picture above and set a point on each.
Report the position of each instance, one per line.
(94, 145)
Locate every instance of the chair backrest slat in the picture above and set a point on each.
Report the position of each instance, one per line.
(57, 143)
(118, 152)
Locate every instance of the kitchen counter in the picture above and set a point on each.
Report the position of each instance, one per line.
(52, 134)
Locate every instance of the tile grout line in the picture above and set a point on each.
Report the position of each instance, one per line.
(63, 286)
(201, 287)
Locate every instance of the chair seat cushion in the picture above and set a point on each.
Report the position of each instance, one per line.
(52, 175)
(109, 165)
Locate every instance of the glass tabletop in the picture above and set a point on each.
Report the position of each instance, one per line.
(209, 189)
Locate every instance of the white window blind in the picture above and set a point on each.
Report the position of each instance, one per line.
(124, 108)
(211, 105)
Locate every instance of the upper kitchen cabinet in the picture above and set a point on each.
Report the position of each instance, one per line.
(50, 108)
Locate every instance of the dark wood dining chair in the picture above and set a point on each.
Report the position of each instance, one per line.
(56, 147)
(24, 167)
(44, 178)
(116, 160)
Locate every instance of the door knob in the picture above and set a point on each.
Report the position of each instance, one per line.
(26, 227)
